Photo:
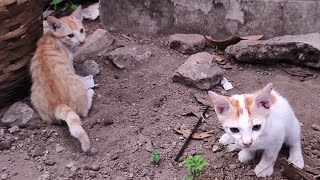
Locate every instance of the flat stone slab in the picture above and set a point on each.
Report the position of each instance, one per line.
(125, 56)
(187, 43)
(199, 71)
(18, 114)
(301, 50)
(94, 44)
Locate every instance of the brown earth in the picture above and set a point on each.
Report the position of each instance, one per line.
(143, 99)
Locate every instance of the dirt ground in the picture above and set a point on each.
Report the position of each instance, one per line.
(143, 99)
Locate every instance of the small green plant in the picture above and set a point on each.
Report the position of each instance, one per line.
(195, 166)
(55, 4)
(155, 156)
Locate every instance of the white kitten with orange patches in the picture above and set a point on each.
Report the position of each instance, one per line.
(259, 121)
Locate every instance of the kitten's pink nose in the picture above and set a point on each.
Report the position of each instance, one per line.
(81, 42)
(247, 144)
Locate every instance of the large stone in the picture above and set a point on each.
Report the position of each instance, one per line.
(187, 43)
(125, 56)
(18, 114)
(94, 44)
(301, 49)
(88, 67)
(199, 71)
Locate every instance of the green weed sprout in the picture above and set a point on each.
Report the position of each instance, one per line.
(195, 166)
(155, 156)
(55, 4)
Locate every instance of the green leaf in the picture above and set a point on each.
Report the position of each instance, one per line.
(195, 165)
(155, 156)
(73, 7)
(55, 2)
(188, 178)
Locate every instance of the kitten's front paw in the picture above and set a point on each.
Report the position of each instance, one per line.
(297, 161)
(245, 156)
(263, 171)
(226, 139)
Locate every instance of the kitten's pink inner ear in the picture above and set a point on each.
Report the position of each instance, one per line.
(264, 98)
(54, 23)
(221, 105)
(78, 13)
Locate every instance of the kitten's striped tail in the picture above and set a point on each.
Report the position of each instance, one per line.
(68, 115)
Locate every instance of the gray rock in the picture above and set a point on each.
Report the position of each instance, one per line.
(315, 127)
(125, 56)
(93, 167)
(4, 176)
(187, 43)
(88, 67)
(5, 144)
(94, 44)
(301, 49)
(44, 176)
(49, 162)
(199, 71)
(70, 165)
(14, 129)
(120, 178)
(1, 133)
(18, 115)
(59, 148)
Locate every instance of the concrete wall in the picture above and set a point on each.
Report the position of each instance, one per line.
(220, 18)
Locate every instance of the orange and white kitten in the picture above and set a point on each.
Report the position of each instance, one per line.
(57, 92)
(259, 121)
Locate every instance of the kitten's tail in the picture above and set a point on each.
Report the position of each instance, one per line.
(68, 115)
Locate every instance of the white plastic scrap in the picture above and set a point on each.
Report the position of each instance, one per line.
(91, 12)
(89, 82)
(226, 84)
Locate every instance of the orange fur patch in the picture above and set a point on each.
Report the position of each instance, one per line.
(248, 101)
(236, 105)
(75, 122)
(273, 99)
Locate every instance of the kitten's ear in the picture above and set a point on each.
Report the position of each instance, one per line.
(221, 105)
(54, 23)
(77, 14)
(264, 98)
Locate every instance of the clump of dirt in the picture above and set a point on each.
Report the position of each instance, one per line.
(143, 99)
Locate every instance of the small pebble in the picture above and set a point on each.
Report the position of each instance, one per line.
(4, 176)
(315, 127)
(233, 166)
(70, 165)
(59, 148)
(95, 167)
(14, 129)
(49, 162)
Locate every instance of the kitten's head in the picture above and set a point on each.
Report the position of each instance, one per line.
(244, 116)
(69, 29)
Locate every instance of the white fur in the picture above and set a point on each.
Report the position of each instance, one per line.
(280, 126)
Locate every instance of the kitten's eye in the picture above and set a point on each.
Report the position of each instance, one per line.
(256, 127)
(71, 35)
(234, 130)
(81, 30)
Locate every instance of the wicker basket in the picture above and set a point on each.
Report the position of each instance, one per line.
(20, 28)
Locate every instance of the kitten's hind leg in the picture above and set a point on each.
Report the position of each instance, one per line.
(294, 142)
(295, 156)
(226, 139)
